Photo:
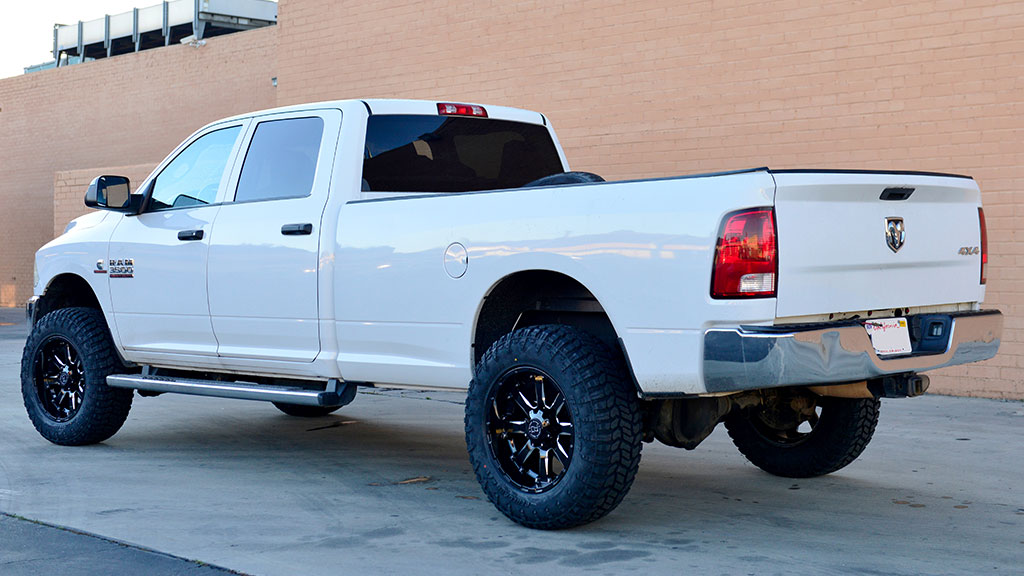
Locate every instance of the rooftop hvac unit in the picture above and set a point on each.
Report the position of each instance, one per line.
(160, 25)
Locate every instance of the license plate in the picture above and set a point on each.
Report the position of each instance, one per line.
(889, 336)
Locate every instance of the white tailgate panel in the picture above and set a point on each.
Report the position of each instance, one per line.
(833, 255)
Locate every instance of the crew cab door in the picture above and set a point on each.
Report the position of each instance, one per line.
(265, 246)
(157, 259)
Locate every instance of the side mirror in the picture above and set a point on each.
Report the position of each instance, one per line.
(110, 193)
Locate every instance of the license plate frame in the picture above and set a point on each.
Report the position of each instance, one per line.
(889, 336)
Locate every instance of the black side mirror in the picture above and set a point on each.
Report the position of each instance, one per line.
(110, 193)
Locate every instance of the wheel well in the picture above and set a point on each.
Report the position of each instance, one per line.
(540, 297)
(66, 291)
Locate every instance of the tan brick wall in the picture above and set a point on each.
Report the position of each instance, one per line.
(69, 189)
(635, 89)
(663, 87)
(120, 111)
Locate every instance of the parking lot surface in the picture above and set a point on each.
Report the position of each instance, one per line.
(30, 548)
(385, 487)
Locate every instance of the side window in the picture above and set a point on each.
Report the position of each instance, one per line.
(194, 176)
(281, 160)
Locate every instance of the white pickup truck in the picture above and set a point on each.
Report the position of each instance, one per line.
(295, 254)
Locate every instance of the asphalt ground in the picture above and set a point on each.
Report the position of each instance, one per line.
(384, 487)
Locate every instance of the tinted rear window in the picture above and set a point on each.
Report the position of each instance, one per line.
(407, 153)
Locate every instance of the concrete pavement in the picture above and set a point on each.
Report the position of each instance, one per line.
(31, 548)
(384, 487)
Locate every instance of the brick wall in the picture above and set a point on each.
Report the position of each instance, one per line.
(69, 189)
(665, 87)
(635, 89)
(123, 110)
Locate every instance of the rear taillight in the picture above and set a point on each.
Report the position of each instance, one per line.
(984, 245)
(446, 109)
(746, 256)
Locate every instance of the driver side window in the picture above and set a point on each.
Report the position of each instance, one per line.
(194, 176)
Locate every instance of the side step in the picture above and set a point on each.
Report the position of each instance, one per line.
(336, 394)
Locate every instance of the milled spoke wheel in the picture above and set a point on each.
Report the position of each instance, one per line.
(818, 439)
(64, 370)
(553, 427)
(59, 379)
(529, 429)
(788, 434)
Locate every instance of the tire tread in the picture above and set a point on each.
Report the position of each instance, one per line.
(831, 446)
(613, 424)
(104, 409)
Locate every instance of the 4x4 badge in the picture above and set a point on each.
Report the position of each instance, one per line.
(895, 233)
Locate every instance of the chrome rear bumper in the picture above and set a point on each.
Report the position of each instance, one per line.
(754, 357)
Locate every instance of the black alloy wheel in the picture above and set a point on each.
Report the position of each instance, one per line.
(59, 379)
(789, 430)
(301, 411)
(529, 429)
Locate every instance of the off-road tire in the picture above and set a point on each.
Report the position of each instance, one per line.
(302, 411)
(841, 434)
(103, 410)
(606, 421)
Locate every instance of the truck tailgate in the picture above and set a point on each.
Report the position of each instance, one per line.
(833, 250)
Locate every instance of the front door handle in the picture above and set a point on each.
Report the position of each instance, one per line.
(190, 235)
(297, 229)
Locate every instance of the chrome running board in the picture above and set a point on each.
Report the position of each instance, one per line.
(336, 393)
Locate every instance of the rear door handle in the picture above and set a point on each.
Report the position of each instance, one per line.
(297, 229)
(190, 235)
